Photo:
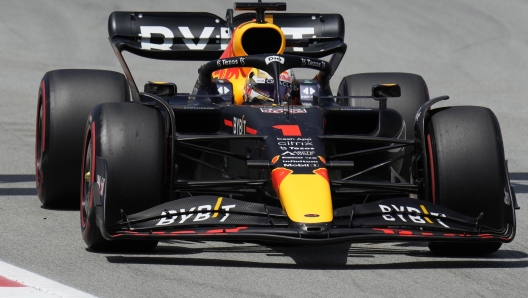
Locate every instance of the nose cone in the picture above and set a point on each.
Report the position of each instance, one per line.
(305, 197)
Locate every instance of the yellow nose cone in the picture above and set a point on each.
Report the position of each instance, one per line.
(306, 198)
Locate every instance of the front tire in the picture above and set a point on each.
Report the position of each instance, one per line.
(130, 138)
(468, 171)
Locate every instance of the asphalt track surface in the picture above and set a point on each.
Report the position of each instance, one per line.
(475, 51)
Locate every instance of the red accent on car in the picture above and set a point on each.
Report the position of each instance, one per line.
(251, 131)
(83, 171)
(405, 233)
(449, 235)
(228, 123)
(431, 166)
(4, 282)
(223, 231)
(323, 173)
(215, 231)
(485, 236)
(289, 130)
(92, 174)
(184, 232)
(235, 230)
(427, 234)
(386, 231)
(277, 175)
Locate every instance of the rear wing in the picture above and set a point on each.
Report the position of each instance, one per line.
(200, 36)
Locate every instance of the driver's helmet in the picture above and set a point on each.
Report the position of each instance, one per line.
(260, 87)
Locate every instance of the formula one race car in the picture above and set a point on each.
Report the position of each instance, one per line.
(255, 154)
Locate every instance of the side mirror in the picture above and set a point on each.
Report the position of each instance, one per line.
(161, 88)
(386, 90)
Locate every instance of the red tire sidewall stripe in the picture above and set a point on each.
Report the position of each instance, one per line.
(431, 168)
(92, 176)
(42, 104)
(83, 172)
(44, 116)
(37, 127)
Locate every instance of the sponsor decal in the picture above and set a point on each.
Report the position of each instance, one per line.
(193, 108)
(205, 38)
(295, 153)
(413, 214)
(297, 33)
(193, 214)
(350, 109)
(309, 62)
(230, 62)
(282, 110)
(168, 37)
(311, 215)
(101, 181)
(303, 165)
(239, 126)
(270, 59)
(295, 142)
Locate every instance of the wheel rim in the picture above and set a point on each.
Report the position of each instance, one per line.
(85, 199)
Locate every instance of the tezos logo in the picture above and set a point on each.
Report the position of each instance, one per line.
(270, 59)
(308, 62)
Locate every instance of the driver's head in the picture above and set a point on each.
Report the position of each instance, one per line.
(259, 87)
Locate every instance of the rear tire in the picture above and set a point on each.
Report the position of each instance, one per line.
(66, 97)
(468, 167)
(130, 137)
(414, 94)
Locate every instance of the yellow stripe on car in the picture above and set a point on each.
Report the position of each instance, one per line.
(217, 206)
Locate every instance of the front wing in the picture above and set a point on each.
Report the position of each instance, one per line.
(227, 219)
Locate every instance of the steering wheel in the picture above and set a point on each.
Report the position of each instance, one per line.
(274, 64)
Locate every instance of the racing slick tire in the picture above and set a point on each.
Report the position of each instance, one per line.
(66, 97)
(414, 93)
(466, 158)
(130, 138)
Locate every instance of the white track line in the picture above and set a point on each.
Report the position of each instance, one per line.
(36, 285)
